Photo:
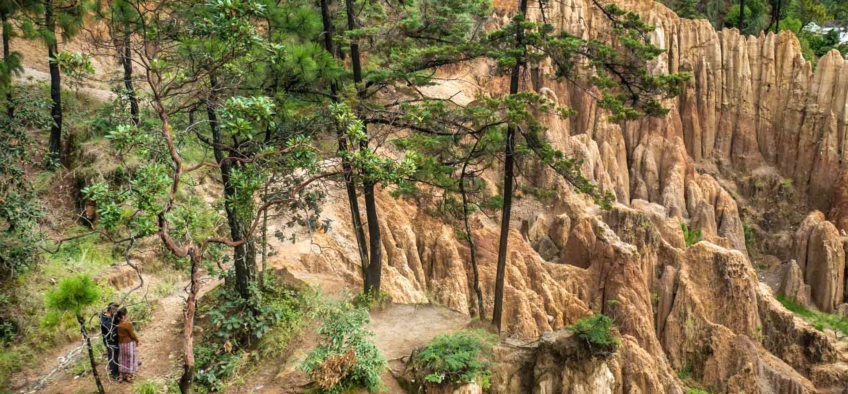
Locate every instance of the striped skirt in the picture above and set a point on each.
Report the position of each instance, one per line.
(128, 358)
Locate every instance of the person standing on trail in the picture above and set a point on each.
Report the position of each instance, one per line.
(128, 343)
(109, 333)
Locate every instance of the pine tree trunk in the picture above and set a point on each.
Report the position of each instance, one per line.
(244, 255)
(741, 21)
(126, 62)
(373, 272)
(55, 84)
(509, 165)
(472, 248)
(91, 360)
(777, 18)
(375, 259)
(4, 19)
(187, 379)
(264, 240)
(352, 198)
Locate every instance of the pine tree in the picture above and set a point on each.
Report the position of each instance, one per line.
(424, 35)
(12, 61)
(52, 17)
(74, 295)
(628, 92)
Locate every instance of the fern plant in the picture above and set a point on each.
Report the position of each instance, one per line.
(457, 358)
(346, 358)
(596, 332)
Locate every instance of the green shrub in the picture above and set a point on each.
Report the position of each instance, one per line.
(346, 358)
(690, 236)
(696, 391)
(596, 332)
(268, 322)
(457, 358)
(370, 301)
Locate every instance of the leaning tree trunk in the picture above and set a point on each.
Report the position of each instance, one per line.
(4, 19)
(91, 360)
(244, 255)
(187, 379)
(55, 84)
(509, 165)
(352, 199)
(472, 248)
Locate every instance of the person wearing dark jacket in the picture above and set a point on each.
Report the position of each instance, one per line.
(109, 332)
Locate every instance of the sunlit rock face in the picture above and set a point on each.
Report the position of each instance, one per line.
(753, 105)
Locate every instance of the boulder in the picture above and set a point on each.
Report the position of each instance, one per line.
(792, 284)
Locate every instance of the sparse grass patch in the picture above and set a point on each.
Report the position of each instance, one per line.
(10, 362)
(819, 320)
(151, 386)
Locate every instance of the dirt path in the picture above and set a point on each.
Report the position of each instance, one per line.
(160, 350)
(398, 329)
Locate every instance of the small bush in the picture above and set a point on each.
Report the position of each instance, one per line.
(457, 359)
(596, 332)
(690, 236)
(346, 358)
(696, 391)
(370, 300)
(242, 330)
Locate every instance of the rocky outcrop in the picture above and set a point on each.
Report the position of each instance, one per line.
(753, 106)
(819, 250)
(839, 210)
(792, 284)
(557, 364)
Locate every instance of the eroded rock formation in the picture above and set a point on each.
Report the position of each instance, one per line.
(753, 106)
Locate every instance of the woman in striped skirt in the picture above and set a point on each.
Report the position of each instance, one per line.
(127, 343)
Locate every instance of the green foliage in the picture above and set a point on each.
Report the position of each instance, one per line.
(20, 209)
(241, 330)
(749, 235)
(371, 166)
(685, 372)
(76, 65)
(697, 391)
(73, 295)
(345, 358)
(691, 237)
(369, 300)
(685, 8)
(819, 320)
(596, 332)
(457, 358)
